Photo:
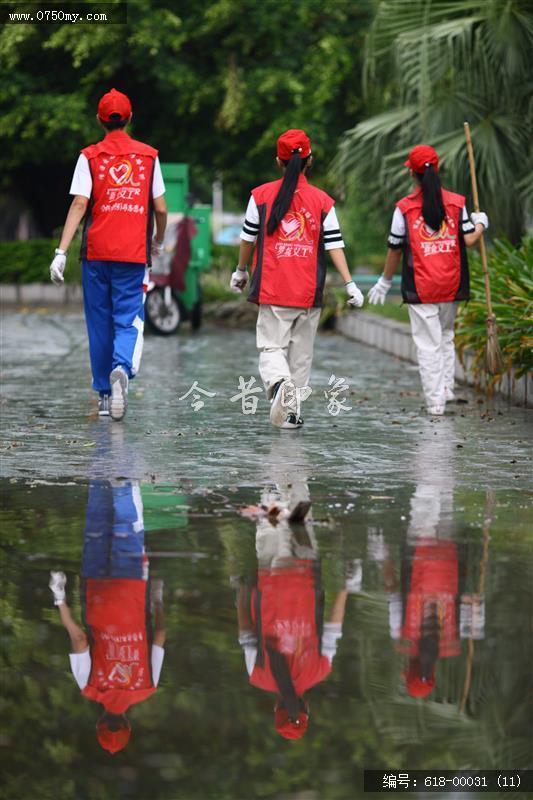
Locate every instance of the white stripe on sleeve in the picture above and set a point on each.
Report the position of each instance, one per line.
(332, 231)
(250, 228)
(397, 230)
(467, 226)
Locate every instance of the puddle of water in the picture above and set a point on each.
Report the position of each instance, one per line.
(395, 626)
(379, 579)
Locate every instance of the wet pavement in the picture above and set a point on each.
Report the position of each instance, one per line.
(387, 557)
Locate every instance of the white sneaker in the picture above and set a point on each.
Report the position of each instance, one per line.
(278, 411)
(57, 584)
(436, 411)
(119, 393)
(449, 396)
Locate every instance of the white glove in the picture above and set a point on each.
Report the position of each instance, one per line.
(356, 297)
(379, 291)
(57, 267)
(239, 279)
(57, 584)
(157, 247)
(479, 217)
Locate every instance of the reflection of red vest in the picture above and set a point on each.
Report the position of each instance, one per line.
(118, 226)
(289, 267)
(120, 651)
(435, 266)
(284, 612)
(434, 578)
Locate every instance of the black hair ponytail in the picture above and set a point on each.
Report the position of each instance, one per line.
(281, 204)
(280, 670)
(432, 205)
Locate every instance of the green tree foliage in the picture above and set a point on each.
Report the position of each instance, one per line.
(429, 66)
(212, 84)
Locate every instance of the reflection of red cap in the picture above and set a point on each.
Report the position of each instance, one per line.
(416, 686)
(113, 741)
(420, 156)
(289, 729)
(291, 142)
(114, 103)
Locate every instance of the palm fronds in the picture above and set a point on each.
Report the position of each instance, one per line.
(429, 66)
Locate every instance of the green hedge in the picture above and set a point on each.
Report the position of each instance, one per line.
(29, 261)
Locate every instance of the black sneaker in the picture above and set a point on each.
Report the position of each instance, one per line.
(103, 405)
(292, 422)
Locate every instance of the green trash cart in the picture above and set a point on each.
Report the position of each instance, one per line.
(165, 307)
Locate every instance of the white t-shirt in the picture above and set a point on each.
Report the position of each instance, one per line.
(397, 230)
(330, 226)
(331, 633)
(82, 182)
(80, 664)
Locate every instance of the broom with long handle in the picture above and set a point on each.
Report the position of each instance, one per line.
(493, 354)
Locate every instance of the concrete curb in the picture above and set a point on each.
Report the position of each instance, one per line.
(395, 338)
(40, 294)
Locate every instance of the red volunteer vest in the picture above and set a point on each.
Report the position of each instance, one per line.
(284, 612)
(435, 265)
(120, 651)
(435, 578)
(119, 220)
(289, 267)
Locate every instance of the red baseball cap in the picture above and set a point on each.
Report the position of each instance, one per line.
(114, 103)
(415, 684)
(288, 728)
(115, 740)
(291, 142)
(421, 156)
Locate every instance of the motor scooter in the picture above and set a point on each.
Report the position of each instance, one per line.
(164, 310)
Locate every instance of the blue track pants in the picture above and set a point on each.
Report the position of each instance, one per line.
(113, 298)
(113, 542)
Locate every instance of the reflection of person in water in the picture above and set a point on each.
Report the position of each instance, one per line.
(118, 661)
(288, 647)
(430, 612)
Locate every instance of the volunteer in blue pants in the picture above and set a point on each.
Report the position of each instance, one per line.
(118, 187)
(117, 656)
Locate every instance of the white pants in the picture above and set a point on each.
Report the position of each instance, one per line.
(432, 329)
(285, 340)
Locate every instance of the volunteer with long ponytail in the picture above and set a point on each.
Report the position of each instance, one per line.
(431, 227)
(291, 224)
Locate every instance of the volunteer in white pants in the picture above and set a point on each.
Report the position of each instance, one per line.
(291, 224)
(431, 228)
